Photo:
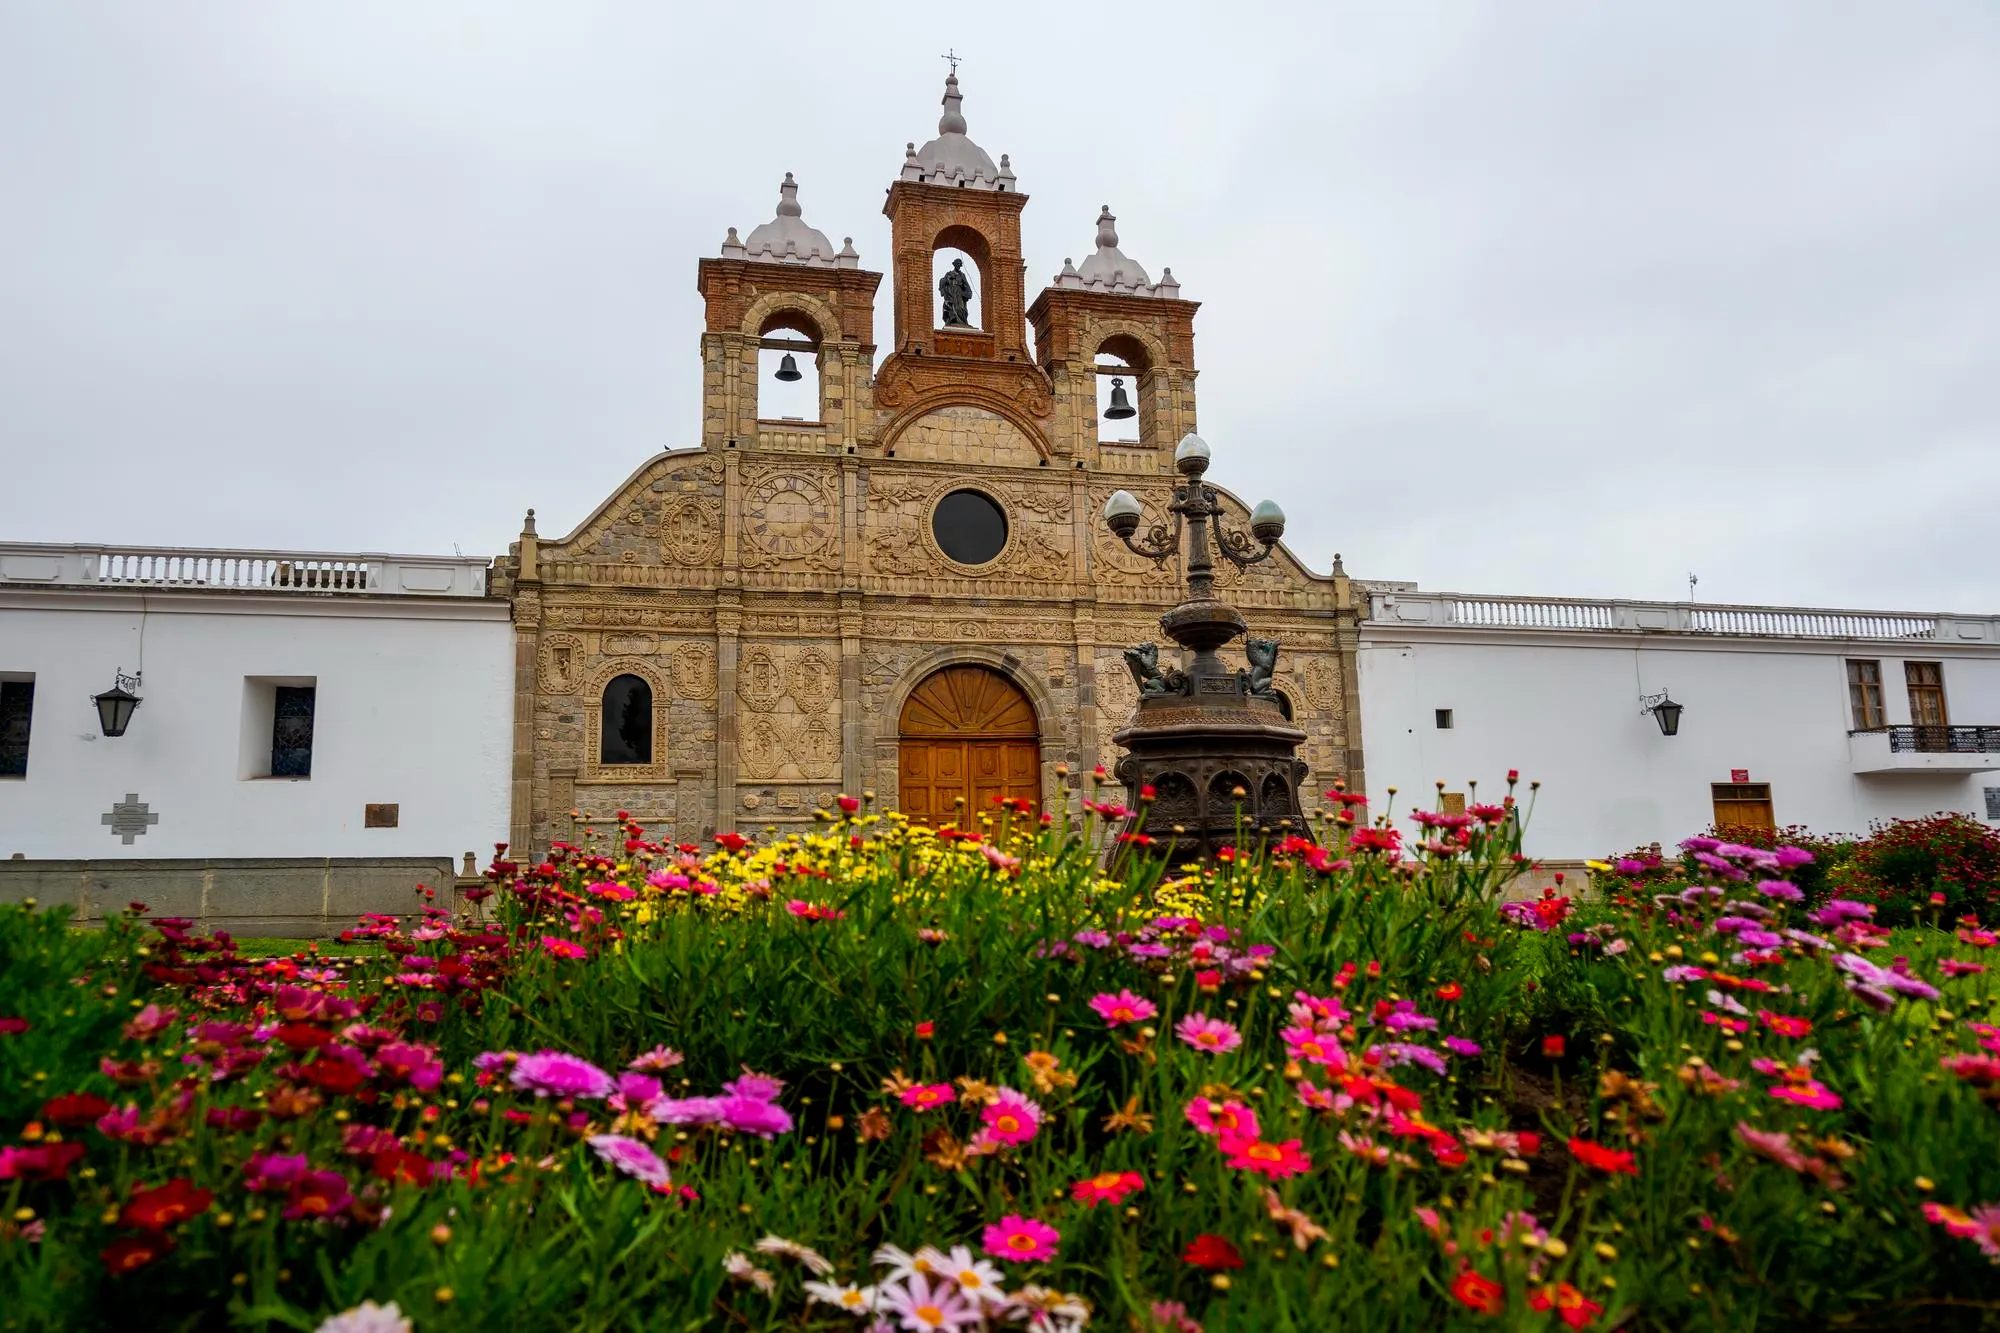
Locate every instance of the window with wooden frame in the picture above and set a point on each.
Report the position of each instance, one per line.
(1743, 805)
(1864, 693)
(1926, 685)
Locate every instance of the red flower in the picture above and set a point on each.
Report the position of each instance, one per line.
(1480, 1293)
(1601, 1158)
(1212, 1253)
(75, 1108)
(402, 1165)
(731, 841)
(1553, 1047)
(50, 1161)
(1111, 1187)
(303, 1036)
(318, 1194)
(1571, 1306)
(1450, 991)
(162, 1207)
(130, 1252)
(1146, 793)
(10, 1027)
(925, 1030)
(1276, 1160)
(849, 804)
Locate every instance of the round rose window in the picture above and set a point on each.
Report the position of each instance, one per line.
(970, 527)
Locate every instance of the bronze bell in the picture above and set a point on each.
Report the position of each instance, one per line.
(1121, 406)
(788, 369)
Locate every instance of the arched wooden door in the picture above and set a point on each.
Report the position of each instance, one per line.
(968, 735)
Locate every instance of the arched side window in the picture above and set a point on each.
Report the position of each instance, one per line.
(626, 736)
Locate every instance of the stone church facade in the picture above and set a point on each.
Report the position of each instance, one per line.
(915, 594)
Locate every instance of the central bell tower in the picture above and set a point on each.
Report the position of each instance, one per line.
(951, 195)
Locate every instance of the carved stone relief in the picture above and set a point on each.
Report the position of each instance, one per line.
(694, 671)
(790, 518)
(1320, 677)
(790, 730)
(631, 645)
(561, 663)
(691, 530)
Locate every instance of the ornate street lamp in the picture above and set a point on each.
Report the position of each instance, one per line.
(1664, 710)
(115, 705)
(1211, 741)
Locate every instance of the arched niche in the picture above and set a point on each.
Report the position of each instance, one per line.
(972, 245)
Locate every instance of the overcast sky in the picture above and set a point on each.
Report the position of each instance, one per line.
(1516, 297)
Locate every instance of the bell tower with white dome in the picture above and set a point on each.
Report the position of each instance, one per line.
(951, 195)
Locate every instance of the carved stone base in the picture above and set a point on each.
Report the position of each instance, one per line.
(1223, 767)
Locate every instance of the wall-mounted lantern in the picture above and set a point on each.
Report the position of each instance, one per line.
(1664, 710)
(115, 705)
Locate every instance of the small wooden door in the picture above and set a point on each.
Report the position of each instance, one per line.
(1743, 805)
(968, 739)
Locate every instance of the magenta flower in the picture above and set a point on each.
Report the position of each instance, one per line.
(685, 1110)
(633, 1157)
(407, 1062)
(924, 1096)
(1208, 1034)
(638, 1089)
(753, 1115)
(273, 1171)
(1011, 1119)
(1124, 1007)
(1461, 1046)
(1810, 1093)
(556, 1074)
(1219, 1118)
(1021, 1240)
(761, 1087)
(561, 948)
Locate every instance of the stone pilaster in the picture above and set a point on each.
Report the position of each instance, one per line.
(728, 626)
(853, 759)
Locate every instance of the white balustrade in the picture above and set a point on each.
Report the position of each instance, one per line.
(258, 571)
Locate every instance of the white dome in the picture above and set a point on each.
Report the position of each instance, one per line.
(786, 239)
(1110, 269)
(952, 158)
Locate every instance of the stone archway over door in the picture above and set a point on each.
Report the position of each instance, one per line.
(968, 734)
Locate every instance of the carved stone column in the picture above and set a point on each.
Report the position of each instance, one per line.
(853, 759)
(728, 625)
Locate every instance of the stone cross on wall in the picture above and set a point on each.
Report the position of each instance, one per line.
(129, 818)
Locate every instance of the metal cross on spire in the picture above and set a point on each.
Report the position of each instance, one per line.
(952, 55)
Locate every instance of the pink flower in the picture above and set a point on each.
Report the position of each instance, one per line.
(656, 1061)
(1777, 1147)
(924, 1096)
(922, 1306)
(407, 1062)
(1309, 1044)
(555, 1074)
(1808, 1092)
(561, 948)
(633, 1157)
(638, 1089)
(1276, 1160)
(619, 893)
(1952, 967)
(1208, 1034)
(1011, 1119)
(1124, 1007)
(1220, 1118)
(1021, 1240)
(753, 1115)
(273, 1171)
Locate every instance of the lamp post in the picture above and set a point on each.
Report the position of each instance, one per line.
(115, 705)
(1211, 741)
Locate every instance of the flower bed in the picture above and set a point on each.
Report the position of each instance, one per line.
(881, 1077)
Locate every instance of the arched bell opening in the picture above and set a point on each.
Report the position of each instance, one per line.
(967, 740)
(1124, 391)
(788, 370)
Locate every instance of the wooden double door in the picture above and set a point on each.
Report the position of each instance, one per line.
(968, 736)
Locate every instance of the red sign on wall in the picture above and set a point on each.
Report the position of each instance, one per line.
(1739, 775)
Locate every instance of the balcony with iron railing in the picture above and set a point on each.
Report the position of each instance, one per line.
(1925, 749)
(164, 567)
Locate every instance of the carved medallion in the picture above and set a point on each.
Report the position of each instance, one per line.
(787, 517)
(694, 671)
(763, 750)
(561, 661)
(814, 680)
(690, 531)
(818, 749)
(1321, 679)
(760, 679)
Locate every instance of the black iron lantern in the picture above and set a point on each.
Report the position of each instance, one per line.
(788, 369)
(115, 705)
(1121, 407)
(1665, 712)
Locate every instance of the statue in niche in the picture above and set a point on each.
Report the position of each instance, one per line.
(956, 289)
(1154, 680)
(1263, 655)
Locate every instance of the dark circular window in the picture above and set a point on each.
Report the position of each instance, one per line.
(969, 527)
